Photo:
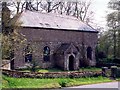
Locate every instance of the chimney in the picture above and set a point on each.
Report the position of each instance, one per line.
(5, 16)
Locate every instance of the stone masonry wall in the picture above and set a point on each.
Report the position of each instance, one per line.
(40, 38)
(19, 74)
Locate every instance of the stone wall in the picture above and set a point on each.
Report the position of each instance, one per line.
(40, 38)
(113, 71)
(19, 74)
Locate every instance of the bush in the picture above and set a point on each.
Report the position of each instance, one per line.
(33, 66)
(116, 60)
(118, 72)
(105, 65)
(62, 83)
(105, 62)
(109, 60)
(102, 55)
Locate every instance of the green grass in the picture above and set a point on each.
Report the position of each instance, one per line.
(90, 69)
(58, 70)
(43, 70)
(10, 82)
(118, 79)
(50, 70)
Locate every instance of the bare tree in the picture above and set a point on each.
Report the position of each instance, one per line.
(79, 9)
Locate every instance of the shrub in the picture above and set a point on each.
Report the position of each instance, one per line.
(33, 66)
(62, 83)
(101, 55)
(118, 72)
(116, 60)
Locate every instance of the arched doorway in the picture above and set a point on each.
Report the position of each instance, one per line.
(71, 62)
(89, 53)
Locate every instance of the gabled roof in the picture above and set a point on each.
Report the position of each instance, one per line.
(63, 48)
(66, 47)
(49, 20)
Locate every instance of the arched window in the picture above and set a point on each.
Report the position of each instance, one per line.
(46, 53)
(28, 53)
(89, 53)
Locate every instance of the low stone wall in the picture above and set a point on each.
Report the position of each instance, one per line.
(114, 72)
(19, 74)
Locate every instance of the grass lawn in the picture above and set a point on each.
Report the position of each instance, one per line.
(58, 70)
(10, 82)
(90, 69)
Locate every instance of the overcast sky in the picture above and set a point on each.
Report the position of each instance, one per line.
(100, 11)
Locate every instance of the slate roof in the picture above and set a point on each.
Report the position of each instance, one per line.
(63, 48)
(49, 20)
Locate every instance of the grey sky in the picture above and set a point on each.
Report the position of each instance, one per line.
(100, 11)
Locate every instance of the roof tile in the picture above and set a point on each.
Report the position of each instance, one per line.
(49, 20)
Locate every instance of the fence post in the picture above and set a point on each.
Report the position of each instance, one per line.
(104, 71)
(113, 71)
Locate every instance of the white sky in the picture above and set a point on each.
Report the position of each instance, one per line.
(100, 10)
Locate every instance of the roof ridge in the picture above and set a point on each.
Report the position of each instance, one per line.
(55, 14)
(51, 20)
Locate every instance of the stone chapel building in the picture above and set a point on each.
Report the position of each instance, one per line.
(55, 41)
